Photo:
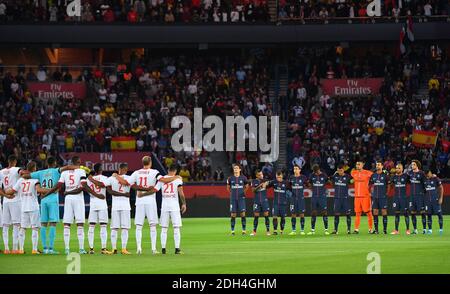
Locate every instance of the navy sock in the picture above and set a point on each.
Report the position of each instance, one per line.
(244, 223)
(375, 222)
(441, 221)
(397, 220)
(283, 222)
(275, 223)
(294, 223)
(414, 221)
(424, 221)
(267, 222)
(233, 223)
(430, 221)
(336, 222)
(313, 222)
(255, 223)
(325, 221)
(407, 220)
(349, 222)
(302, 223)
(385, 222)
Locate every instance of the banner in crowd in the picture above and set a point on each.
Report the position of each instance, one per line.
(51, 91)
(424, 139)
(351, 87)
(110, 161)
(123, 144)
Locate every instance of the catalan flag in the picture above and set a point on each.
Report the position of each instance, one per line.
(123, 144)
(424, 139)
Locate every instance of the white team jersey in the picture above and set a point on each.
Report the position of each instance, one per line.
(73, 179)
(120, 203)
(10, 176)
(26, 190)
(170, 196)
(145, 178)
(98, 204)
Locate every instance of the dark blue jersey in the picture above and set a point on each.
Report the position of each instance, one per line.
(297, 185)
(260, 193)
(431, 188)
(318, 183)
(417, 182)
(237, 185)
(341, 185)
(380, 184)
(399, 183)
(280, 190)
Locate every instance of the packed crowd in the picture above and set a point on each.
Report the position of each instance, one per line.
(137, 11)
(330, 130)
(302, 10)
(138, 100)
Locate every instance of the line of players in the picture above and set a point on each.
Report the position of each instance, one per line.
(371, 190)
(21, 210)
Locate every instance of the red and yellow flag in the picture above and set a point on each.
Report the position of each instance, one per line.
(424, 139)
(123, 144)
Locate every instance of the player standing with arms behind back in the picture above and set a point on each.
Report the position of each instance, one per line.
(398, 181)
(417, 198)
(317, 181)
(297, 184)
(380, 182)
(237, 184)
(434, 195)
(260, 202)
(341, 180)
(363, 204)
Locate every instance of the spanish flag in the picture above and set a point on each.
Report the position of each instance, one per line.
(424, 139)
(123, 144)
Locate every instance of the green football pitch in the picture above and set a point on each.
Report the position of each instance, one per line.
(208, 248)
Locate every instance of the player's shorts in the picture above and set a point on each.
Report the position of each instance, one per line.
(318, 203)
(362, 204)
(400, 204)
(120, 219)
(98, 216)
(30, 219)
(379, 203)
(49, 212)
(1, 216)
(341, 205)
(297, 205)
(175, 216)
(279, 210)
(237, 205)
(433, 207)
(74, 210)
(416, 203)
(149, 211)
(11, 213)
(261, 207)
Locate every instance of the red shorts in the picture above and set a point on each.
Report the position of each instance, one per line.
(362, 204)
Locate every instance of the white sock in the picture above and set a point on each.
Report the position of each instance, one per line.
(80, 233)
(66, 237)
(177, 237)
(114, 239)
(124, 238)
(139, 237)
(163, 237)
(16, 229)
(103, 235)
(153, 236)
(6, 237)
(35, 238)
(21, 238)
(91, 232)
